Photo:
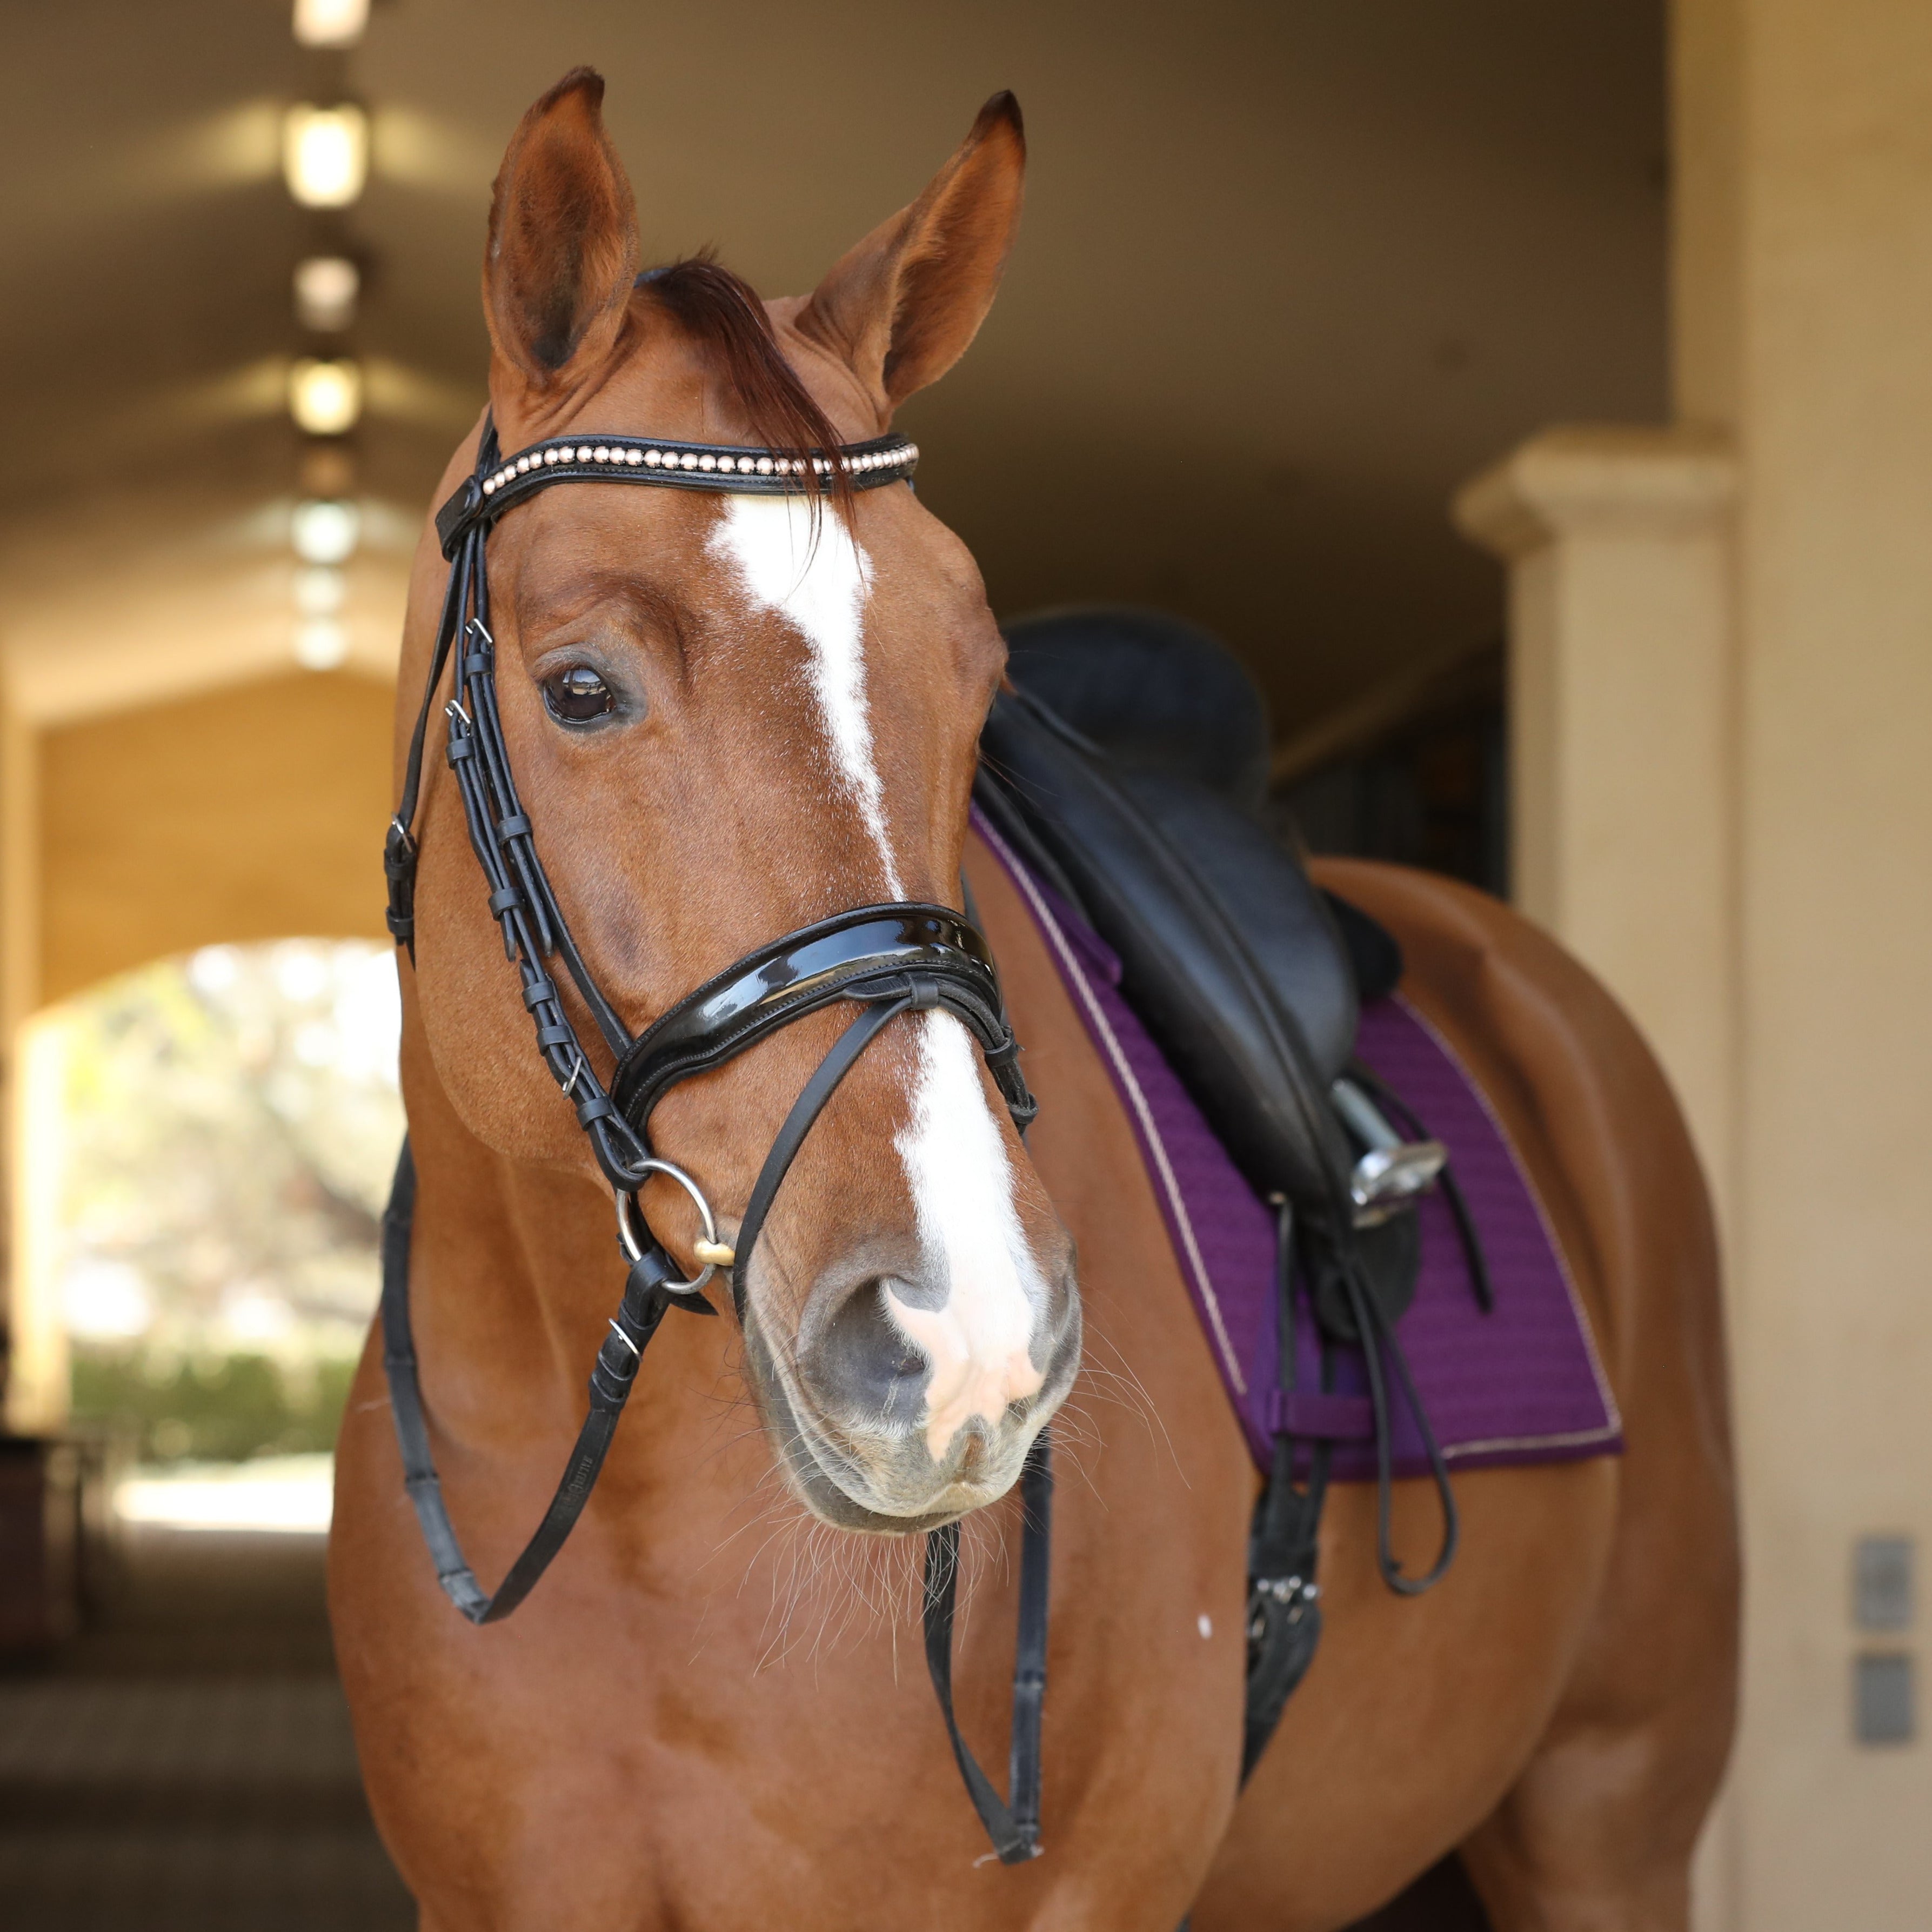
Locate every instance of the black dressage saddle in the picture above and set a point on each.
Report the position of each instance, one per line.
(1129, 761)
(1126, 760)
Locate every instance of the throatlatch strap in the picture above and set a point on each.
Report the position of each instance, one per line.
(638, 1315)
(1013, 1823)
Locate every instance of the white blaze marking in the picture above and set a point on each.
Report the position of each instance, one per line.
(962, 1188)
(819, 588)
(962, 1182)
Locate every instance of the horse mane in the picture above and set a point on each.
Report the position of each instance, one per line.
(722, 312)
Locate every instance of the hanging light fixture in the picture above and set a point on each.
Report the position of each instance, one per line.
(325, 396)
(320, 590)
(325, 290)
(321, 644)
(330, 23)
(325, 163)
(324, 530)
(325, 154)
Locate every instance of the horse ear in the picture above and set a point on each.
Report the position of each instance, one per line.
(901, 307)
(562, 252)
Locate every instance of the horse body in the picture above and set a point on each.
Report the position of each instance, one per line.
(713, 1712)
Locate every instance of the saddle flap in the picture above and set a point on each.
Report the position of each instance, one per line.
(1228, 952)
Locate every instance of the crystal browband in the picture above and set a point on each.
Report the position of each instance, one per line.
(684, 466)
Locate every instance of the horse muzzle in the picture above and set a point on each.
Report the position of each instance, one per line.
(875, 1435)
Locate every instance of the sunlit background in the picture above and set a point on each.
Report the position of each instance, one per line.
(1534, 397)
(222, 1129)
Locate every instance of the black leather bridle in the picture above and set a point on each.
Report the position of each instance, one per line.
(886, 959)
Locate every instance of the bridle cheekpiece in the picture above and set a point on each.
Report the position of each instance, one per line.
(886, 959)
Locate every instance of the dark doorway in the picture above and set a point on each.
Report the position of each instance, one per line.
(1419, 776)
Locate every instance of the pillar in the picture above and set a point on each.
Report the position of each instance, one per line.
(1619, 702)
(1721, 681)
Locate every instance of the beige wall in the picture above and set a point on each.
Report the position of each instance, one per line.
(1725, 751)
(251, 811)
(1833, 1254)
(243, 813)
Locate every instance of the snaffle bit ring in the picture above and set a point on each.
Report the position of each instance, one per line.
(714, 1253)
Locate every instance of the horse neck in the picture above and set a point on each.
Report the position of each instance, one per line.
(514, 1270)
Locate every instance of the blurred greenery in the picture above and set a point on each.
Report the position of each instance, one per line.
(228, 1124)
(214, 1408)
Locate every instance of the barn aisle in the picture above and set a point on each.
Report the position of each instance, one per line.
(186, 1766)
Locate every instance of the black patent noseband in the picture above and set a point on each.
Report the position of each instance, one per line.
(886, 959)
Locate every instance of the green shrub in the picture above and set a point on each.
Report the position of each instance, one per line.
(224, 1409)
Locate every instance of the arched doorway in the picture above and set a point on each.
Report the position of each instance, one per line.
(219, 816)
(211, 1137)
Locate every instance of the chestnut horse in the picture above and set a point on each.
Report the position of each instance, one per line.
(730, 718)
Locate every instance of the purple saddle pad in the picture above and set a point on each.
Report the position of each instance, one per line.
(1521, 1384)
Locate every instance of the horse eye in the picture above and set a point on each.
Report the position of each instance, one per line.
(577, 695)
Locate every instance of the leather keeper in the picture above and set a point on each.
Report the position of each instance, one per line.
(610, 1379)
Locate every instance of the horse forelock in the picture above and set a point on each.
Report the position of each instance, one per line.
(721, 316)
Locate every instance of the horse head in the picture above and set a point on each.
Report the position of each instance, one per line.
(730, 716)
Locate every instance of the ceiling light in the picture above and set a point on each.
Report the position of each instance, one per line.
(319, 590)
(325, 154)
(326, 286)
(331, 23)
(324, 398)
(321, 644)
(325, 531)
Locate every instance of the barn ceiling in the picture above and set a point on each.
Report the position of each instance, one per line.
(1290, 271)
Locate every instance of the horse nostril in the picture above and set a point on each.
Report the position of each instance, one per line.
(861, 1368)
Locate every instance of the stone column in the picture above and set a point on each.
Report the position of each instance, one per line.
(1620, 708)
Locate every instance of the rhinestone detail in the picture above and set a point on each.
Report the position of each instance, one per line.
(866, 463)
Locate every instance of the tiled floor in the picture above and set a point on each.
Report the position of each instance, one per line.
(187, 1766)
